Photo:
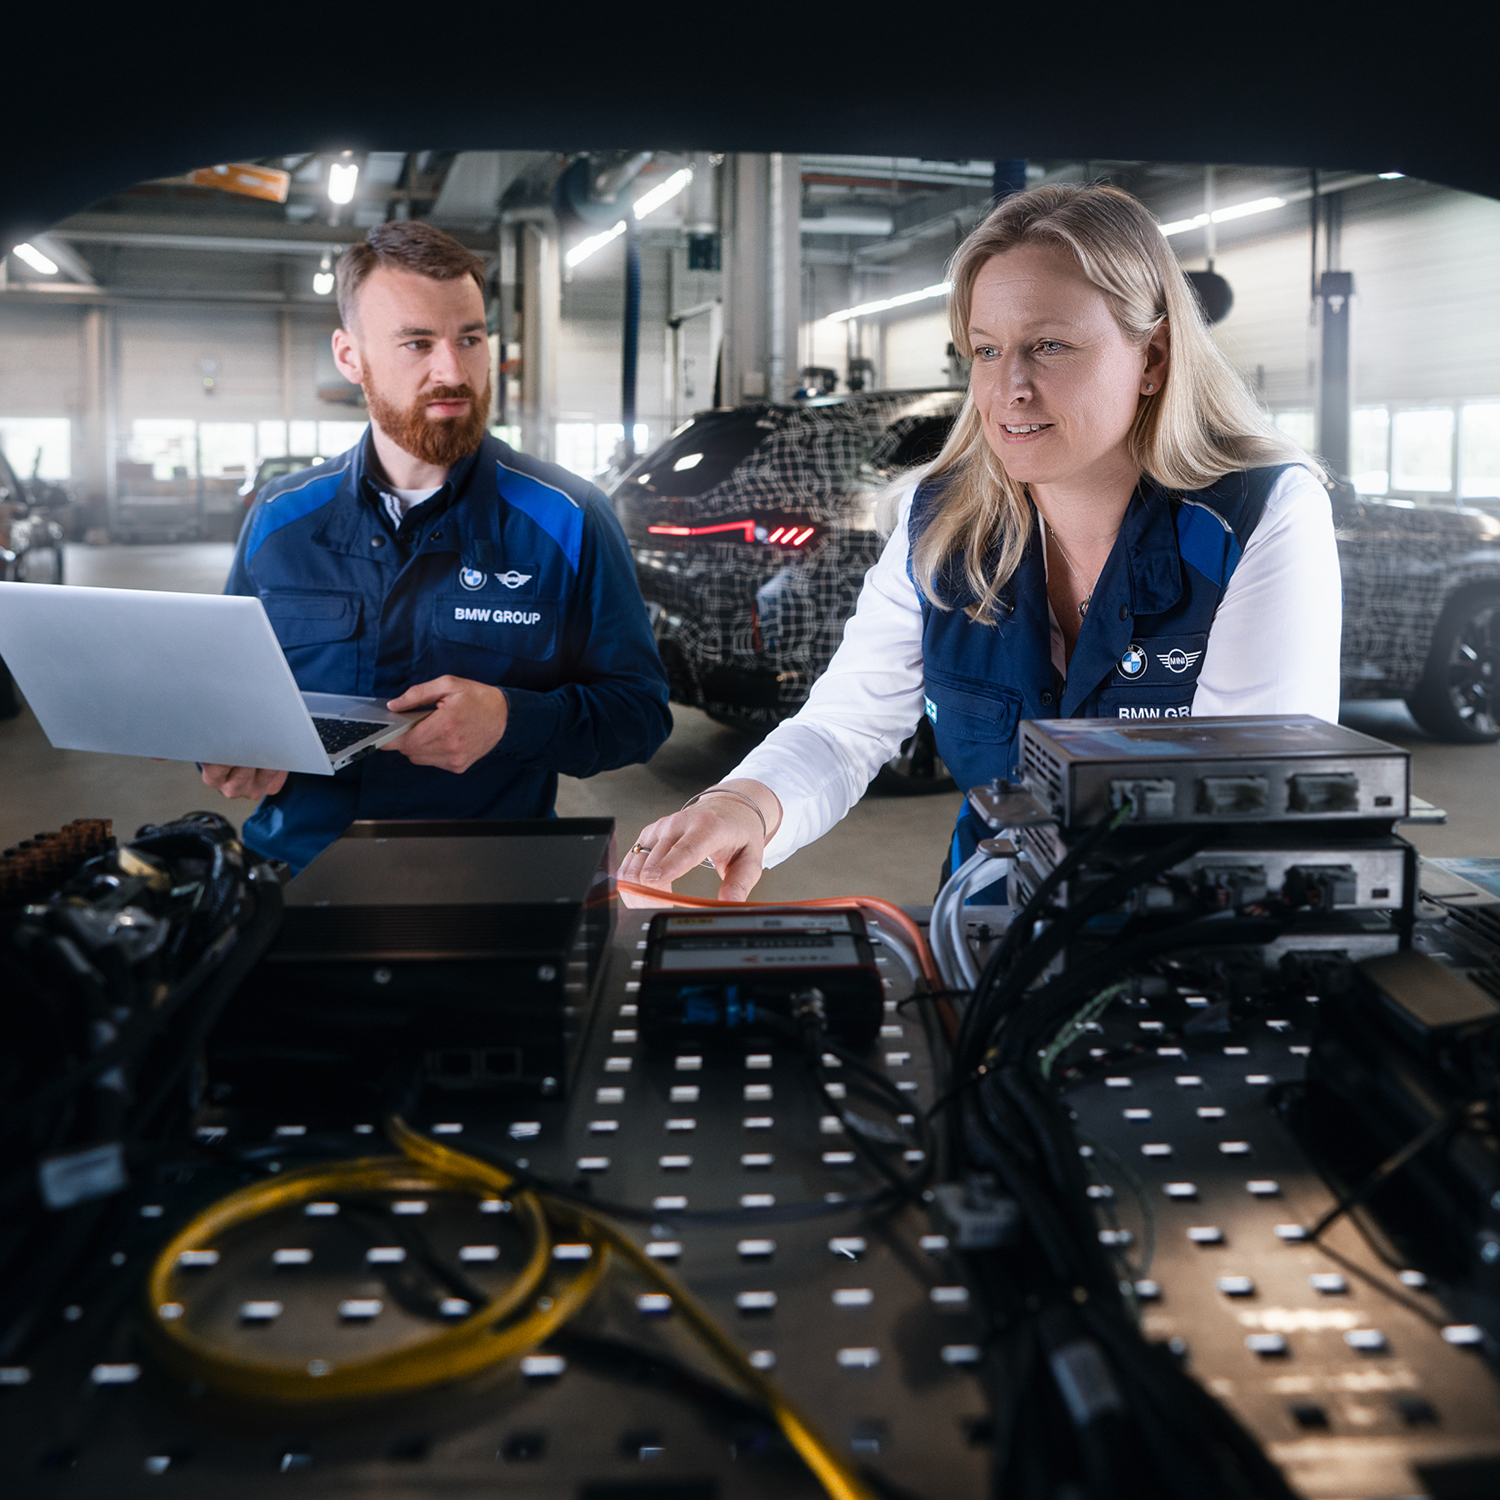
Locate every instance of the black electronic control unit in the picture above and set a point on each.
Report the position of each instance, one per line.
(457, 955)
(727, 974)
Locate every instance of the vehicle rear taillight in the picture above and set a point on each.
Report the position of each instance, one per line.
(790, 536)
(756, 533)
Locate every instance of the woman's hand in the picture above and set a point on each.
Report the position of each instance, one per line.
(718, 828)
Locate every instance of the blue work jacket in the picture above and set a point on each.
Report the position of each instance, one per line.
(1140, 647)
(515, 573)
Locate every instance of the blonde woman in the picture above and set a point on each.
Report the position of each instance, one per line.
(1113, 529)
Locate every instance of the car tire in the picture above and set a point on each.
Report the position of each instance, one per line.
(916, 770)
(1458, 698)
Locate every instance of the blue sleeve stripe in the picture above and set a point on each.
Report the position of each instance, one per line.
(291, 505)
(553, 510)
(1207, 542)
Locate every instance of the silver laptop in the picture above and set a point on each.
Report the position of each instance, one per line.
(179, 677)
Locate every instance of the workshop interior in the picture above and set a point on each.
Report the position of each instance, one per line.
(1150, 1150)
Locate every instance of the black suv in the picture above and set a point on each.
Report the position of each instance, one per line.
(752, 529)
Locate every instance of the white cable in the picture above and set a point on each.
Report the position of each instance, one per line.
(906, 954)
(942, 925)
(963, 957)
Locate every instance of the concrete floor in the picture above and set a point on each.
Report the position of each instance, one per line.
(889, 847)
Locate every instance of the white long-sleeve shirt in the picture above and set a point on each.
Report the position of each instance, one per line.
(1273, 649)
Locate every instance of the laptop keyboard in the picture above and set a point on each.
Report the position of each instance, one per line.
(339, 734)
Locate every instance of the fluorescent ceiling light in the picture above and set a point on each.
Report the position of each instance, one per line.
(322, 282)
(1223, 215)
(871, 224)
(864, 309)
(342, 176)
(585, 248)
(35, 259)
(662, 193)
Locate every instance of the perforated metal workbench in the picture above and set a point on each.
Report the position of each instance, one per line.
(863, 1322)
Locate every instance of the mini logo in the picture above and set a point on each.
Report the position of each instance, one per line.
(931, 708)
(513, 579)
(1133, 663)
(1179, 661)
(471, 578)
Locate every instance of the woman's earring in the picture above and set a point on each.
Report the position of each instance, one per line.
(1149, 389)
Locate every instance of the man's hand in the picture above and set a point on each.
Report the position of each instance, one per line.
(244, 781)
(466, 725)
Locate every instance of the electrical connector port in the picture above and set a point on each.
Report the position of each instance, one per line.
(973, 1214)
(1147, 799)
(1231, 886)
(1321, 887)
(1333, 792)
(1232, 796)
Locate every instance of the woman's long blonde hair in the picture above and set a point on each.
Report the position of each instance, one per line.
(1201, 425)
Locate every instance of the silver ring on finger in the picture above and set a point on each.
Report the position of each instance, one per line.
(708, 864)
(639, 848)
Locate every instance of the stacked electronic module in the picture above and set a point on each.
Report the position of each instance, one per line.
(1284, 817)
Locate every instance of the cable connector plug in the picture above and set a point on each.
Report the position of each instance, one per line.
(973, 1213)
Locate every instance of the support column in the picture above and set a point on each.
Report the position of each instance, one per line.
(541, 319)
(1335, 399)
(97, 447)
(762, 276)
(288, 401)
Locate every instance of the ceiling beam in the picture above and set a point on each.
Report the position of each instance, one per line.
(194, 232)
(54, 294)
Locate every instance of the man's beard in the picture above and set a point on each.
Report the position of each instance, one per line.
(435, 440)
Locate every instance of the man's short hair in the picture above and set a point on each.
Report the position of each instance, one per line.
(405, 245)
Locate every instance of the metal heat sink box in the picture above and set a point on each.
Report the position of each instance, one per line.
(450, 955)
(1261, 769)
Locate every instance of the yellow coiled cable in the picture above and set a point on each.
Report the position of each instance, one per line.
(466, 1347)
(477, 1342)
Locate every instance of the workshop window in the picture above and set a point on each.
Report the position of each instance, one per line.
(226, 449)
(1370, 450)
(1299, 426)
(40, 446)
(1479, 451)
(1422, 450)
(335, 437)
(168, 444)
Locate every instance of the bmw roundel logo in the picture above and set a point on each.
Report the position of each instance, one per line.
(1134, 662)
(471, 578)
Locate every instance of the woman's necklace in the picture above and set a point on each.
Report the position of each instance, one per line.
(1088, 588)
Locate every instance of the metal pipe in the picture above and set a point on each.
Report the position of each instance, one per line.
(1210, 229)
(777, 371)
(631, 339)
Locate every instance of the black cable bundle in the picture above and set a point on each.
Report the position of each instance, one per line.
(107, 991)
(1110, 1412)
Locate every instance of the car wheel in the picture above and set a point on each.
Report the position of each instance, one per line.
(1458, 698)
(916, 769)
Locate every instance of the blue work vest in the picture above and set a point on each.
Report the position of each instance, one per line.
(1140, 647)
(515, 574)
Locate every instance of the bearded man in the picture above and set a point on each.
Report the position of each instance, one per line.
(436, 567)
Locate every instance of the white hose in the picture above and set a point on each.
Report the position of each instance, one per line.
(945, 932)
(903, 951)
